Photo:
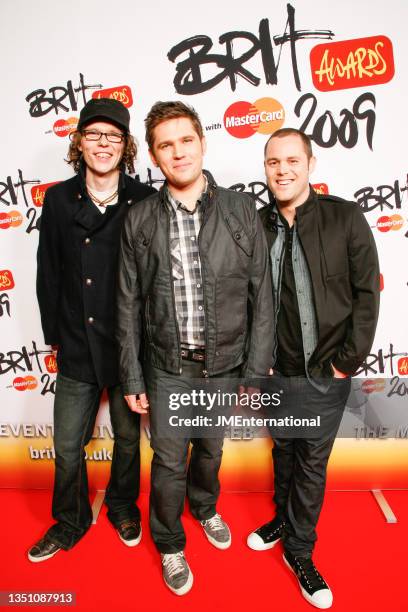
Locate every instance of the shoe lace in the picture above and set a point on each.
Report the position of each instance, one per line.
(267, 531)
(173, 562)
(313, 578)
(215, 522)
(128, 523)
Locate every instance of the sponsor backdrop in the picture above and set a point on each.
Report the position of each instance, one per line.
(334, 70)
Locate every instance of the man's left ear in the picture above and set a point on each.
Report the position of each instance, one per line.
(312, 164)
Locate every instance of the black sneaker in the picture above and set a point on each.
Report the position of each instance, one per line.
(41, 551)
(314, 588)
(267, 536)
(130, 532)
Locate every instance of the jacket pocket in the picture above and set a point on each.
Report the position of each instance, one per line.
(239, 234)
(231, 304)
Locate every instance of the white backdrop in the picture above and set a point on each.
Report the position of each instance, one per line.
(48, 44)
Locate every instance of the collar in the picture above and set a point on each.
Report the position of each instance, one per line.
(175, 204)
(82, 181)
(275, 220)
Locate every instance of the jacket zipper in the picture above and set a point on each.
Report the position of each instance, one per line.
(281, 259)
(172, 291)
(204, 220)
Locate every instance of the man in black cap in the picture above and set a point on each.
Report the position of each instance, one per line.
(77, 260)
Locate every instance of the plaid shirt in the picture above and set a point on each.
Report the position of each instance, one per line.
(186, 271)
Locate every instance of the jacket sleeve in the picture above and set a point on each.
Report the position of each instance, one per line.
(365, 286)
(128, 329)
(49, 271)
(260, 307)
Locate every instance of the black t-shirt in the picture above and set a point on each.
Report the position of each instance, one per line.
(290, 357)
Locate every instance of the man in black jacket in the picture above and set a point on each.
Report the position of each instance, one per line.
(326, 295)
(195, 287)
(76, 282)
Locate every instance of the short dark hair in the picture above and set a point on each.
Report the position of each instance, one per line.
(162, 111)
(307, 143)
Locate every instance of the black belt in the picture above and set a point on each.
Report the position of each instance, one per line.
(193, 354)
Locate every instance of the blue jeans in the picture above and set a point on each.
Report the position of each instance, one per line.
(75, 408)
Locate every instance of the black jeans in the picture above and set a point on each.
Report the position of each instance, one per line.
(75, 408)
(300, 464)
(171, 479)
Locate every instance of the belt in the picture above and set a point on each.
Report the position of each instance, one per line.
(193, 354)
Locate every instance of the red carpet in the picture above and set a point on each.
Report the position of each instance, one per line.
(361, 556)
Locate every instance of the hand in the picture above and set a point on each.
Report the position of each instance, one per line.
(337, 373)
(138, 403)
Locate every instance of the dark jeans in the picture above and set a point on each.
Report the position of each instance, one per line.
(75, 408)
(300, 463)
(171, 479)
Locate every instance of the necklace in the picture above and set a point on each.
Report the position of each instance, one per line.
(104, 202)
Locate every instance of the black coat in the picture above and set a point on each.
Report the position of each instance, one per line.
(342, 258)
(236, 276)
(76, 277)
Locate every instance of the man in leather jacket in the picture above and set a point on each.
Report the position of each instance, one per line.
(77, 266)
(195, 302)
(326, 296)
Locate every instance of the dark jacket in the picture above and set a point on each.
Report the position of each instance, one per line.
(237, 289)
(342, 260)
(76, 277)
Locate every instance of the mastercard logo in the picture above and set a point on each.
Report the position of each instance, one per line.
(12, 219)
(403, 366)
(51, 364)
(375, 385)
(63, 127)
(243, 119)
(392, 223)
(28, 383)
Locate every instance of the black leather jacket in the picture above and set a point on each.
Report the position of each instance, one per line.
(237, 289)
(342, 258)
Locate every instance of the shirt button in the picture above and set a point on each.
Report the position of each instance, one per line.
(90, 320)
(87, 240)
(79, 196)
(129, 201)
(195, 262)
(198, 285)
(304, 322)
(201, 329)
(89, 281)
(192, 238)
(200, 308)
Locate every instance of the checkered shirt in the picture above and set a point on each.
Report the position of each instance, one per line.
(186, 271)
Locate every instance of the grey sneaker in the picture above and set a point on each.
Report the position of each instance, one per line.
(217, 532)
(176, 572)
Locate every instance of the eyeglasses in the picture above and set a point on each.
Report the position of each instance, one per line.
(114, 137)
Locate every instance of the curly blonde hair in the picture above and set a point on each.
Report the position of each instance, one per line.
(128, 157)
